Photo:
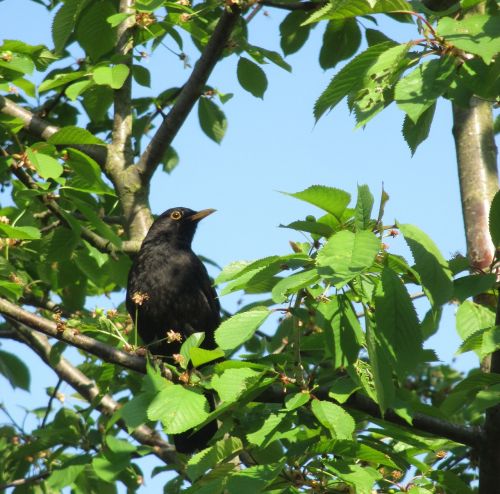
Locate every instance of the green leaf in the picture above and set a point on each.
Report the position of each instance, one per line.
(341, 41)
(17, 63)
(232, 383)
(179, 409)
(14, 370)
(340, 424)
(478, 34)
(349, 79)
(347, 255)
(66, 475)
(417, 132)
(78, 88)
(234, 331)
(87, 174)
(364, 206)
(416, 92)
(61, 80)
(343, 9)
(268, 430)
(134, 412)
(71, 135)
(120, 446)
(46, 166)
(200, 356)
(292, 284)
(451, 482)
(19, 232)
(292, 402)
(472, 317)
(379, 373)
(253, 479)
(114, 76)
(93, 32)
(116, 19)
(64, 22)
(11, 290)
(193, 341)
(397, 323)
(494, 220)
(209, 458)
(432, 267)
(293, 34)
(472, 285)
(213, 122)
(251, 77)
(108, 467)
(170, 160)
(330, 199)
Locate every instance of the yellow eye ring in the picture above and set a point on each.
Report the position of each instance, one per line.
(176, 215)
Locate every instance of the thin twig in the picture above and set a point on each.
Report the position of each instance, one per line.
(307, 6)
(26, 481)
(49, 405)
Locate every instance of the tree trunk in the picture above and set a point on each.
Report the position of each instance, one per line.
(478, 175)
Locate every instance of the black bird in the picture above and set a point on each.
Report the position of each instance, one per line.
(169, 290)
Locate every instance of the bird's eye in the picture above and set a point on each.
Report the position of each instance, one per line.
(176, 215)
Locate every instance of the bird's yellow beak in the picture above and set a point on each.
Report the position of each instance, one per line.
(201, 214)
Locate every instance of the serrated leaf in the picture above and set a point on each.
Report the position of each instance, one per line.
(14, 370)
(179, 409)
(416, 133)
(213, 122)
(11, 290)
(494, 220)
(347, 255)
(46, 166)
(364, 206)
(349, 79)
(472, 317)
(74, 135)
(472, 285)
(269, 428)
(253, 479)
(251, 77)
(432, 267)
(113, 77)
(292, 402)
(233, 382)
(93, 32)
(397, 323)
(64, 22)
(116, 19)
(78, 88)
(193, 341)
(330, 199)
(292, 284)
(240, 328)
(87, 174)
(343, 9)
(200, 356)
(109, 467)
(340, 424)
(201, 462)
(19, 232)
(66, 475)
(17, 63)
(478, 34)
(134, 412)
(416, 92)
(61, 80)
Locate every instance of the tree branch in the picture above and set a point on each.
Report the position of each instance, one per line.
(72, 336)
(190, 92)
(38, 127)
(90, 391)
(100, 243)
(307, 6)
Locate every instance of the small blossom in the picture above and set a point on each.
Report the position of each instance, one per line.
(396, 475)
(173, 336)
(111, 313)
(178, 358)
(139, 298)
(185, 17)
(441, 454)
(4, 220)
(184, 378)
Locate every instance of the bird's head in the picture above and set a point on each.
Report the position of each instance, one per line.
(176, 225)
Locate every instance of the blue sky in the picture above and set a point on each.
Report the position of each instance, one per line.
(274, 145)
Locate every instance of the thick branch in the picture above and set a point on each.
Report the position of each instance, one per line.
(478, 175)
(90, 391)
(190, 93)
(72, 336)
